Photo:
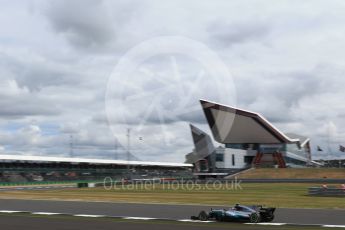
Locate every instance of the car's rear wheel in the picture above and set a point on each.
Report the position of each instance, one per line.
(269, 218)
(203, 216)
(254, 218)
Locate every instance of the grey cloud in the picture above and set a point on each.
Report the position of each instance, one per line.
(86, 143)
(39, 77)
(20, 105)
(70, 128)
(100, 119)
(85, 23)
(35, 74)
(278, 94)
(83, 20)
(24, 108)
(226, 34)
(287, 87)
(196, 117)
(342, 116)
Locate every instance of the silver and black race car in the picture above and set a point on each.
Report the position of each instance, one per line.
(239, 213)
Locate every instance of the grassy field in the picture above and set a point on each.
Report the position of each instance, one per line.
(278, 195)
(291, 173)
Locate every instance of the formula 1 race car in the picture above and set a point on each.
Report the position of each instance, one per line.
(239, 213)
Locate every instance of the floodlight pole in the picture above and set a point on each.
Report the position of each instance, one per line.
(128, 153)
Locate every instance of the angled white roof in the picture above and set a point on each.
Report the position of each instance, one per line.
(303, 140)
(203, 145)
(90, 161)
(237, 126)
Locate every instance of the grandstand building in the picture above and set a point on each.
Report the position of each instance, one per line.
(19, 168)
(247, 140)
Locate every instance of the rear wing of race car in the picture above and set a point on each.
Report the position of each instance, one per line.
(260, 208)
(267, 210)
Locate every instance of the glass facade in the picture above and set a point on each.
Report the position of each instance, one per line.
(294, 148)
(294, 162)
(288, 152)
(272, 148)
(243, 146)
(219, 157)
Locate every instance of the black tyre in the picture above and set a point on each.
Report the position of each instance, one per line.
(219, 218)
(203, 216)
(254, 218)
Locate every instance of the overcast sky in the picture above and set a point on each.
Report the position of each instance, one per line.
(286, 61)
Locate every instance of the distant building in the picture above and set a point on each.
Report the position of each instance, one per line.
(19, 168)
(247, 140)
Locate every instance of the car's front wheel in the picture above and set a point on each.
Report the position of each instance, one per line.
(254, 218)
(203, 216)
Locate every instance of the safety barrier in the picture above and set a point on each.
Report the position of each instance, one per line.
(3, 184)
(326, 191)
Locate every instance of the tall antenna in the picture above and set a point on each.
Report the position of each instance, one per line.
(71, 145)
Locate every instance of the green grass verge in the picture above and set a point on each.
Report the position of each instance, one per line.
(289, 195)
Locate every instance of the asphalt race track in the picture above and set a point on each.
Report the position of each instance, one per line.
(12, 223)
(291, 216)
(44, 223)
(15, 223)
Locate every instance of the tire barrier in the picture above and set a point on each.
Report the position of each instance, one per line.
(326, 191)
